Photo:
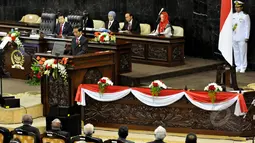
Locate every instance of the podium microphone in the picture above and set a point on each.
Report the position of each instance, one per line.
(162, 9)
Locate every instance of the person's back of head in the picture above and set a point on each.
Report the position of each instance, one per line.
(123, 132)
(27, 119)
(56, 124)
(88, 129)
(160, 133)
(191, 138)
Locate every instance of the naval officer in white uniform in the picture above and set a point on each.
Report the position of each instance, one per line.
(241, 32)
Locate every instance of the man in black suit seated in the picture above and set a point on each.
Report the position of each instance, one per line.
(131, 25)
(79, 42)
(63, 28)
(123, 133)
(89, 130)
(27, 121)
(56, 128)
(160, 134)
(112, 24)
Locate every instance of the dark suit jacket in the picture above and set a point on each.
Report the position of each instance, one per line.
(80, 48)
(32, 129)
(93, 139)
(90, 23)
(67, 30)
(135, 27)
(63, 133)
(125, 141)
(157, 141)
(115, 26)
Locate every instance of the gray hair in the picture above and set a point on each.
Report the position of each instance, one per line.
(112, 13)
(27, 119)
(160, 133)
(88, 129)
(56, 124)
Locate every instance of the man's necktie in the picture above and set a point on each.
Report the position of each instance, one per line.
(129, 26)
(77, 41)
(110, 24)
(61, 29)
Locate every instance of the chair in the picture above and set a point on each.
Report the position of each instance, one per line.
(79, 139)
(75, 20)
(178, 31)
(4, 135)
(145, 29)
(113, 141)
(99, 24)
(24, 136)
(121, 25)
(31, 18)
(59, 47)
(50, 137)
(48, 23)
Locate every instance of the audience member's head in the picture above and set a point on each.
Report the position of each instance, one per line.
(111, 15)
(56, 124)
(27, 119)
(191, 138)
(88, 129)
(123, 132)
(160, 133)
(61, 18)
(128, 17)
(15, 140)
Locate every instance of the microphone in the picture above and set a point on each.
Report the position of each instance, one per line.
(161, 11)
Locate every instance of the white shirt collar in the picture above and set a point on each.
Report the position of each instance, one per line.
(130, 22)
(80, 37)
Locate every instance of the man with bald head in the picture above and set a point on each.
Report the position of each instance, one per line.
(56, 128)
(27, 121)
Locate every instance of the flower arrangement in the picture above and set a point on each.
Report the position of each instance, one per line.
(13, 36)
(55, 68)
(103, 83)
(156, 86)
(104, 37)
(212, 89)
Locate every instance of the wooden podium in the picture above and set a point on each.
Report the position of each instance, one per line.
(87, 68)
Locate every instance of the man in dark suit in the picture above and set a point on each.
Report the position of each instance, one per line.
(89, 130)
(79, 43)
(123, 133)
(56, 128)
(160, 134)
(112, 24)
(131, 25)
(191, 138)
(63, 28)
(27, 121)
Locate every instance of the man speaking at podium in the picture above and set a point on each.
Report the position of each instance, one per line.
(79, 42)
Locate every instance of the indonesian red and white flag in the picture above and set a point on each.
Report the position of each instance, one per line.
(225, 38)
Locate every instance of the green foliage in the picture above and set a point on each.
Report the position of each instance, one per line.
(155, 91)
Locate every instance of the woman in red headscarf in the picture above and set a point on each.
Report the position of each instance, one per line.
(164, 26)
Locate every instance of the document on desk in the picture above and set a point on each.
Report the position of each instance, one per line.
(153, 34)
(3, 44)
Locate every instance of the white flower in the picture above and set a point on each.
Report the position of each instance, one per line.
(108, 81)
(47, 72)
(13, 35)
(217, 87)
(49, 62)
(160, 84)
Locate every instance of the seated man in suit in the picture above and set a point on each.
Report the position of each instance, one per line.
(191, 138)
(123, 133)
(89, 131)
(56, 128)
(131, 25)
(79, 42)
(27, 121)
(63, 28)
(112, 24)
(160, 134)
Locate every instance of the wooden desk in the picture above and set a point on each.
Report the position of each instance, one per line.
(122, 56)
(88, 68)
(6, 26)
(155, 50)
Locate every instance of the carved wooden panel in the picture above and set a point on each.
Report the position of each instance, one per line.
(58, 92)
(92, 76)
(177, 52)
(179, 115)
(125, 62)
(138, 50)
(157, 52)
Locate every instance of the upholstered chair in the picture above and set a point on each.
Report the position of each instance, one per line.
(31, 18)
(145, 29)
(4, 135)
(99, 24)
(48, 23)
(178, 31)
(24, 136)
(75, 20)
(50, 137)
